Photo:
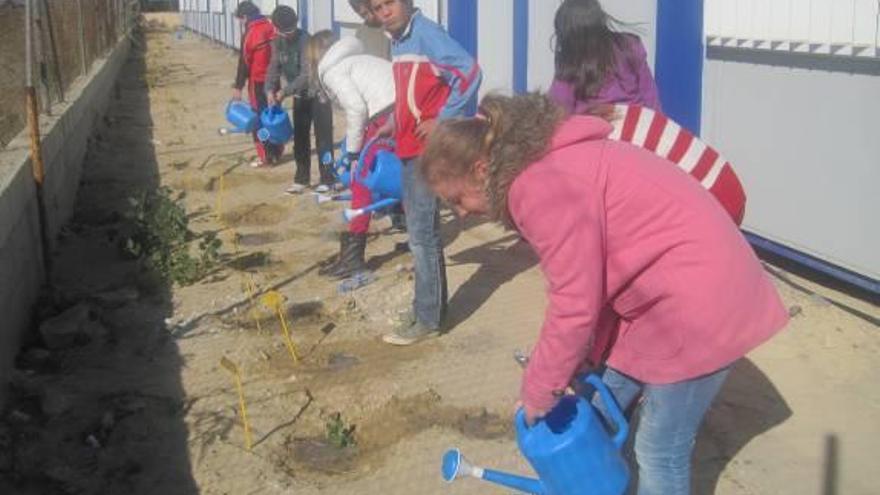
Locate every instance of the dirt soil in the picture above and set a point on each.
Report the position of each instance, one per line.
(145, 407)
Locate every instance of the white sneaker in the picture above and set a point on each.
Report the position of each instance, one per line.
(295, 188)
(322, 188)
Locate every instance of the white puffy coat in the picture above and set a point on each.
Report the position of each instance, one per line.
(363, 85)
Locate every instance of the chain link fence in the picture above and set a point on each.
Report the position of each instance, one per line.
(68, 37)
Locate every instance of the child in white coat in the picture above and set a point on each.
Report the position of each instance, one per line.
(363, 85)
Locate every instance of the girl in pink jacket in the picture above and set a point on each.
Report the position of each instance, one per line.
(646, 273)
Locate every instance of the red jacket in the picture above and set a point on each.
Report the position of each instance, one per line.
(435, 78)
(256, 52)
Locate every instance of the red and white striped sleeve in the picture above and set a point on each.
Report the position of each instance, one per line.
(657, 133)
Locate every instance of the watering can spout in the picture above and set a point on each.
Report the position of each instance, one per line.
(350, 214)
(455, 465)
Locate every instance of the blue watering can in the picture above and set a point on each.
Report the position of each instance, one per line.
(342, 166)
(277, 128)
(241, 116)
(382, 178)
(569, 448)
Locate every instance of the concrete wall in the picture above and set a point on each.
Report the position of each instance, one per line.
(65, 137)
(802, 133)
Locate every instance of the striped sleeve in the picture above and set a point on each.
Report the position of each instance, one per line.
(655, 132)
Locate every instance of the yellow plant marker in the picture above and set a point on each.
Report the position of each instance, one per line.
(233, 368)
(251, 289)
(235, 243)
(274, 300)
(220, 190)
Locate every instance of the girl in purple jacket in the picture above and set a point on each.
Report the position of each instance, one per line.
(647, 277)
(595, 64)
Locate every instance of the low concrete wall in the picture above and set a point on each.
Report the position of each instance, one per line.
(65, 140)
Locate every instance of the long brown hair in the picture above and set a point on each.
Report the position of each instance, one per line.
(509, 133)
(588, 45)
(316, 48)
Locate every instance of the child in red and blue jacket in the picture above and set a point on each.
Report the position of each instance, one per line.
(253, 65)
(435, 79)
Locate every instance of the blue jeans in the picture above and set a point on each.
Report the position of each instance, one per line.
(423, 225)
(669, 418)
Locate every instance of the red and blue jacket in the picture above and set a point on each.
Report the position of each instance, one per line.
(256, 51)
(434, 77)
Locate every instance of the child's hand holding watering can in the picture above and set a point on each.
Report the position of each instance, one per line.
(274, 98)
(575, 387)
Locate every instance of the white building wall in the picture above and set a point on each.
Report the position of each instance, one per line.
(540, 67)
(495, 45)
(320, 15)
(805, 143)
(791, 94)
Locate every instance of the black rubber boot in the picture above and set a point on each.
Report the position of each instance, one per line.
(352, 259)
(328, 177)
(329, 270)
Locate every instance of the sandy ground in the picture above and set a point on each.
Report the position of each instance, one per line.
(800, 415)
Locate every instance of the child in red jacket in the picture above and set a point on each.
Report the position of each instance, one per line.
(253, 63)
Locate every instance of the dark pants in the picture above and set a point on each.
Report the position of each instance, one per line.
(423, 225)
(268, 152)
(307, 110)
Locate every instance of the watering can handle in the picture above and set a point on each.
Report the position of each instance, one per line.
(365, 149)
(612, 408)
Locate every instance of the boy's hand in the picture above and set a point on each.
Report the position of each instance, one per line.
(236, 94)
(424, 130)
(387, 129)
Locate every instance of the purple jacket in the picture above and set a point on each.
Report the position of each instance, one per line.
(630, 82)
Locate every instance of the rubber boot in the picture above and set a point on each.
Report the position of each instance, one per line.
(352, 259)
(329, 270)
(328, 177)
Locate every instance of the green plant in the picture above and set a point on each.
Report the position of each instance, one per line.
(158, 233)
(339, 434)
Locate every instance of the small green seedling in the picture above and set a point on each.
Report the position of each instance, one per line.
(339, 434)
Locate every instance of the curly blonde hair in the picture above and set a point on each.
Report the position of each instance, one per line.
(509, 133)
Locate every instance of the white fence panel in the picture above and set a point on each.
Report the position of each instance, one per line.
(835, 27)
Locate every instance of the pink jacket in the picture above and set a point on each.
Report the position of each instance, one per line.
(643, 265)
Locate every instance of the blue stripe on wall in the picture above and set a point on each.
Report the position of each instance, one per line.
(335, 25)
(679, 63)
(463, 20)
(463, 24)
(520, 46)
(304, 14)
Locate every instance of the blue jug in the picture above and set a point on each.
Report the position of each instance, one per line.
(341, 169)
(277, 128)
(383, 176)
(241, 116)
(569, 448)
